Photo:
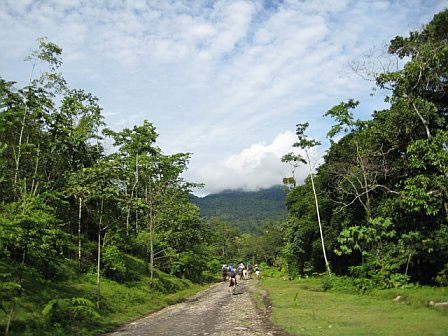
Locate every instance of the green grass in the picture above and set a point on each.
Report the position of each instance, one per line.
(120, 302)
(301, 307)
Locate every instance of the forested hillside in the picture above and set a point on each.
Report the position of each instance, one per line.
(248, 211)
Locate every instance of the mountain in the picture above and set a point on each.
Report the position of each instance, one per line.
(249, 211)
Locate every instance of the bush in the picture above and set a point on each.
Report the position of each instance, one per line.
(114, 263)
(61, 313)
(442, 277)
(327, 283)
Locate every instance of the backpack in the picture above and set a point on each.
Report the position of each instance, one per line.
(232, 272)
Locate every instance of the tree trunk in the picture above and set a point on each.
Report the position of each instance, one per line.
(407, 264)
(327, 265)
(132, 195)
(423, 120)
(98, 278)
(8, 323)
(366, 184)
(150, 226)
(79, 231)
(151, 250)
(34, 183)
(22, 130)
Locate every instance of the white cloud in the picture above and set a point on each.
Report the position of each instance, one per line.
(256, 167)
(217, 78)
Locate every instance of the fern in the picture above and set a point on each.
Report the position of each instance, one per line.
(84, 307)
(69, 309)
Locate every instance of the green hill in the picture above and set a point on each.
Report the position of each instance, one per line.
(249, 211)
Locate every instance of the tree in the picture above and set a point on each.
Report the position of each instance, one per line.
(305, 144)
(224, 238)
(99, 180)
(294, 160)
(161, 183)
(134, 147)
(49, 53)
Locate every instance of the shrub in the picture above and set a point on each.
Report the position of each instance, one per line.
(327, 283)
(114, 264)
(60, 313)
(442, 276)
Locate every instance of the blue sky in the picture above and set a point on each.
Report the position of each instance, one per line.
(225, 80)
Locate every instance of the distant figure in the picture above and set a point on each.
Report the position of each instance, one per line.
(240, 272)
(224, 273)
(249, 269)
(257, 272)
(232, 281)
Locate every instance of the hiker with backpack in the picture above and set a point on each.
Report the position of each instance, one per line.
(257, 272)
(241, 270)
(232, 281)
(224, 271)
(249, 269)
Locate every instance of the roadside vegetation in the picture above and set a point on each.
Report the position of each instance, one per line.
(377, 207)
(89, 238)
(67, 307)
(318, 305)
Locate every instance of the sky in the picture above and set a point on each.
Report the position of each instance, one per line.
(225, 80)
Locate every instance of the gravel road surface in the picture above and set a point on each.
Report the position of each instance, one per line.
(212, 312)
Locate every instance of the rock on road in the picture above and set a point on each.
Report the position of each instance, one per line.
(212, 312)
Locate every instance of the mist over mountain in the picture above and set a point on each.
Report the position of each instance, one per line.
(249, 211)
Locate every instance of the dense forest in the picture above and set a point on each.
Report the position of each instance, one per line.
(247, 211)
(382, 192)
(376, 210)
(68, 208)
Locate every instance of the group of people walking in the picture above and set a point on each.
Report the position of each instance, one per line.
(244, 273)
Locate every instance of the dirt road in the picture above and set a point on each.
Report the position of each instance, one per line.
(211, 312)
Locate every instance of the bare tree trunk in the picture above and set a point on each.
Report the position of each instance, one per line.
(35, 184)
(327, 265)
(79, 231)
(128, 215)
(366, 184)
(151, 248)
(407, 264)
(150, 226)
(98, 278)
(8, 323)
(423, 120)
(22, 130)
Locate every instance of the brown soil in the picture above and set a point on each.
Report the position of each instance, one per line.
(212, 312)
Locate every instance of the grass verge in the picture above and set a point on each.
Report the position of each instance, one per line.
(302, 307)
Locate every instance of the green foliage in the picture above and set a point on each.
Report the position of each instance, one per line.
(60, 313)
(384, 187)
(30, 233)
(442, 277)
(327, 283)
(114, 262)
(366, 238)
(64, 202)
(345, 120)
